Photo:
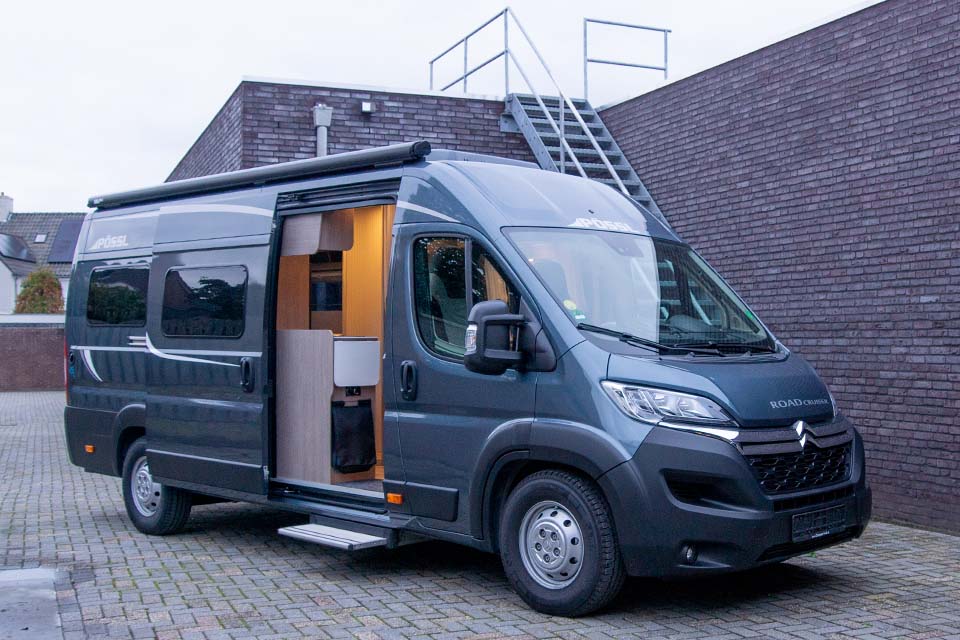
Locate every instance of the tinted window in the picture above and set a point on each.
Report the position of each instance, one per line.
(204, 302)
(440, 288)
(443, 299)
(118, 296)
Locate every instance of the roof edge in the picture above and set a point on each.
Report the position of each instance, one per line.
(368, 87)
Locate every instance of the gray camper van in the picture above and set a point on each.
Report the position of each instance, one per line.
(404, 344)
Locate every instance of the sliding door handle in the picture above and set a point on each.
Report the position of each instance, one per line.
(246, 375)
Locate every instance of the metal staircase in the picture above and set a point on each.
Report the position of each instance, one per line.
(565, 135)
(526, 117)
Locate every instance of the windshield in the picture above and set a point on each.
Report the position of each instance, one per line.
(641, 286)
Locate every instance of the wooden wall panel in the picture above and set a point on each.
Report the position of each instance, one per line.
(304, 391)
(365, 289)
(293, 293)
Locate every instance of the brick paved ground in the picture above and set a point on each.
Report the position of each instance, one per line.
(230, 576)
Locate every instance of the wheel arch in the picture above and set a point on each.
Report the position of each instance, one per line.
(520, 448)
(129, 425)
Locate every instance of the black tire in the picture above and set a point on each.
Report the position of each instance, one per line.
(170, 506)
(601, 573)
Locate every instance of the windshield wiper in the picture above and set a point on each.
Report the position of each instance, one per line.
(748, 347)
(629, 338)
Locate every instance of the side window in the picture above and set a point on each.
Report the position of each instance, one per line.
(440, 291)
(443, 297)
(118, 296)
(488, 282)
(204, 302)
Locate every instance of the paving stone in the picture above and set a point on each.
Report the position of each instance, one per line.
(229, 576)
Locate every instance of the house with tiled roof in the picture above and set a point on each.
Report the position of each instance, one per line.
(30, 241)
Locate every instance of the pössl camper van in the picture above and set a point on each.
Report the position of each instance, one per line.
(405, 344)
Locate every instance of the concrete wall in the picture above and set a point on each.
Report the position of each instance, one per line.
(32, 356)
(821, 176)
(274, 123)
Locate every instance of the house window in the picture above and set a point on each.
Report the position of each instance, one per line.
(40, 237)
(204, 302)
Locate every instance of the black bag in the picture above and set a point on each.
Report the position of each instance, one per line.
(353, 446)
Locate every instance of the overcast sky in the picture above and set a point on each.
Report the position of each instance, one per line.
(102, 96)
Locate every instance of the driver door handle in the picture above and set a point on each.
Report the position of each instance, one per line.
(408, 380)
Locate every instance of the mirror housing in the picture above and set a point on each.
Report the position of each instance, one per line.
(489, 328)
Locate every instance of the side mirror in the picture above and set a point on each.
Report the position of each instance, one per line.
(491, 331)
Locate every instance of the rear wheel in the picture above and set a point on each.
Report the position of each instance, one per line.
(152, 507)
(558, 544)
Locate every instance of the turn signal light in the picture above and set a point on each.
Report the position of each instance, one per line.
(89, 448)
(395, 498)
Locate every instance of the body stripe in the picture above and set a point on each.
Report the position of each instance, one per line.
(425, 210)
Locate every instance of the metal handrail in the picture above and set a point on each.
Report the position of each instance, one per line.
(565, 102)
(587, 59)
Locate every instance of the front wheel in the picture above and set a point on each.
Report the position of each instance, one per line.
(558, 544)
(152, 507)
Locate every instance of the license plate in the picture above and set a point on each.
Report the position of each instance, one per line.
(816, 524)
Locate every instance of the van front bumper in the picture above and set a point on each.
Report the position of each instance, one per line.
(689, 504)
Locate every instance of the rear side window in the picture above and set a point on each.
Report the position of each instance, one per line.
(118, 297)
(204, 302)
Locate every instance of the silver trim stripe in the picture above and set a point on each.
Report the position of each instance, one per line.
(169, 356)
(142, 344)
(88, 362)
(425, 210)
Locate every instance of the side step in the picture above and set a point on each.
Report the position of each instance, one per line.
(333, 537)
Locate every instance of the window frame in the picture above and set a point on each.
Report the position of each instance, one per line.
(146, 296)
(469, 242)
(243, 315)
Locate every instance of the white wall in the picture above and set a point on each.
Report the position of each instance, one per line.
(8, 290)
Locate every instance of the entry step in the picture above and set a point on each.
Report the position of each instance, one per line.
(332, 537)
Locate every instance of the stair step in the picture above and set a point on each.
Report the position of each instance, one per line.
(575, 137)
(598, 166)
(332, 537)
(534, 109)
(571, 124)
(586, 151)
(526, 98)
(630, 182)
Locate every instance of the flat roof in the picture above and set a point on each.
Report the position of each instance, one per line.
(369, 87)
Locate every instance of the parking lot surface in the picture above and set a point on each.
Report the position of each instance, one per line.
(230, 576)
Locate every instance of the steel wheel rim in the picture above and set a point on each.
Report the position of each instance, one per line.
(551, 545)
(146, 492)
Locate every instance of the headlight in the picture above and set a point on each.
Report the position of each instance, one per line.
(665, 408)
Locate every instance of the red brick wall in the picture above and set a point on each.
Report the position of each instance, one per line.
(821, 176)
(32, 357)
(277, 126)
(217, 150)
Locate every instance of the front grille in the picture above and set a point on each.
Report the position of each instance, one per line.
(813, 467)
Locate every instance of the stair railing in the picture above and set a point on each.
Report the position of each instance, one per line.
(565, 102)
(586, 46)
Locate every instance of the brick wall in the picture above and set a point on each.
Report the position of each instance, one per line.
(217, 150)
(821, 176)
(277, 126)
(32, 357)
